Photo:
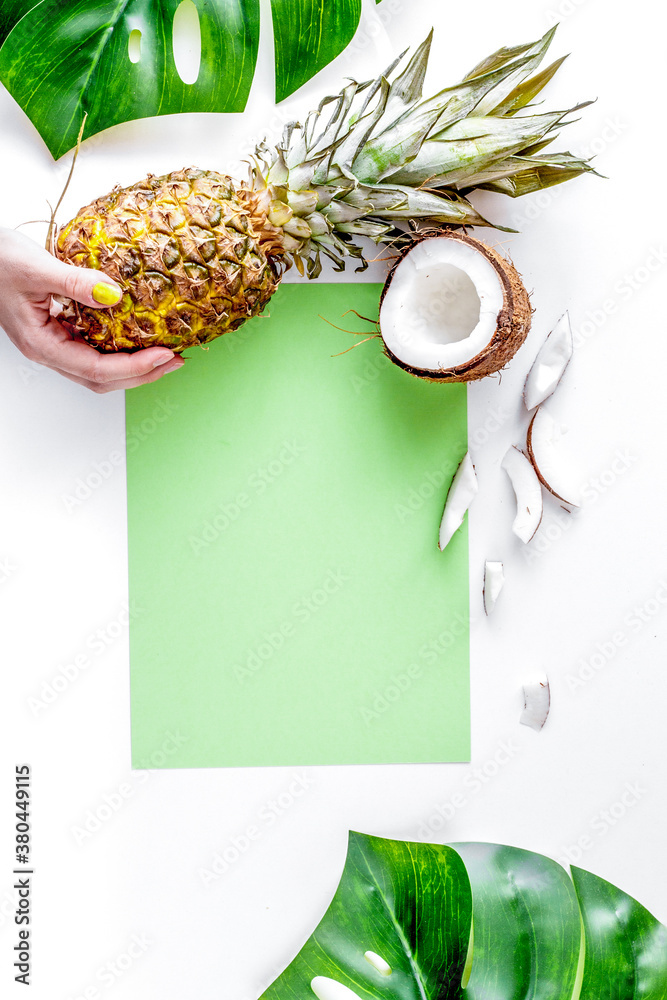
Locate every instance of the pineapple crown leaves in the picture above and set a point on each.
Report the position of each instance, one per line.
(378, 154)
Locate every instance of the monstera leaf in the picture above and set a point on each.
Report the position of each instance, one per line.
(320, 30)
(626, 947)
(402, 907)
(399, 928)
(527, 925)
(63, 60)
(11, 11)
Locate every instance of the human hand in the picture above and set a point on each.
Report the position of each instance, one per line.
(29, 276)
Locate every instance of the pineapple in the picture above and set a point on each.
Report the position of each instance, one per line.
(197, 253)
(192, 261)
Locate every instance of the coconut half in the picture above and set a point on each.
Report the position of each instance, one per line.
(453, 309)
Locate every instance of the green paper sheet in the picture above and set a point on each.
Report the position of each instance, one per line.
(289, 602)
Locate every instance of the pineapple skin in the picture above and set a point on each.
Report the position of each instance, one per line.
(189, 250)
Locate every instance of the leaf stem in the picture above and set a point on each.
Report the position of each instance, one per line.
(52, 223)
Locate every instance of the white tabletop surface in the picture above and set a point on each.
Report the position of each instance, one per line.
(125, 908)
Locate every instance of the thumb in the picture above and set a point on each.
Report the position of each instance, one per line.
(83, 284)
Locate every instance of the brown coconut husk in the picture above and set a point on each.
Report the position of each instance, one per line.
(513, 322)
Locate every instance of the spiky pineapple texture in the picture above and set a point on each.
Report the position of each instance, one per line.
(198, 253)
(186, 253)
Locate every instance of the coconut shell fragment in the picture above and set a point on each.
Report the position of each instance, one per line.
(494, 580)
(453, 309)
(541, 451)
(462, 492)
(549, 366)
(526, 485)
(537, 703)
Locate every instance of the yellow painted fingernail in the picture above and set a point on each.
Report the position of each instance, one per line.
(107, 295)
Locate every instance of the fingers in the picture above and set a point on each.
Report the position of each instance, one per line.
(103, 372)
(30, 277)
(85, 285)
(36, 274)
(130, 383)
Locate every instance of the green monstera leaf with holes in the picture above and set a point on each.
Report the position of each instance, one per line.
(398, 927)
(61, 61)
(475, 922)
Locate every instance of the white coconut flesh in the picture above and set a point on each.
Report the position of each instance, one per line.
(529, 506)
(461, 494)
(544, 437)
(549, 366)
(494, 579)
(441, 307)
(537, 702)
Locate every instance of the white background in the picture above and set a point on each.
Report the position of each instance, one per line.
(124, 911)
